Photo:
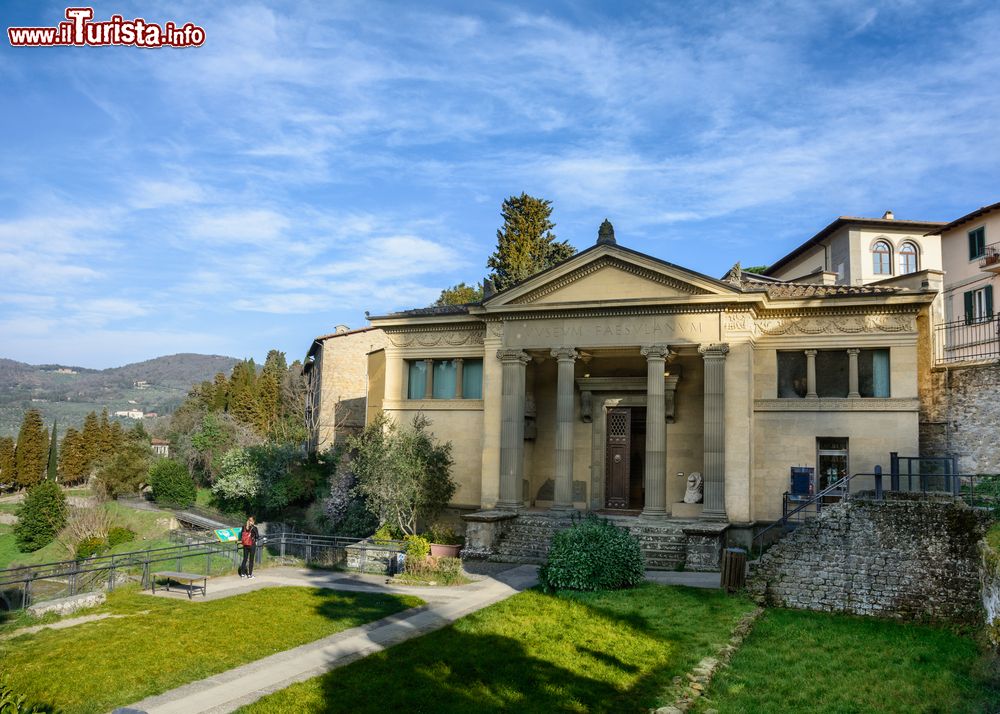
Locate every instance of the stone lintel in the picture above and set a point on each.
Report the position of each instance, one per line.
(491, 515)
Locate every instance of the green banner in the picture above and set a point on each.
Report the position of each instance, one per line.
(228, 535)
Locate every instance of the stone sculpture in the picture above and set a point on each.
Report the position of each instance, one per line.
(693, 494)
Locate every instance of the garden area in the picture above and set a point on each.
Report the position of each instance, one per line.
(153, 644)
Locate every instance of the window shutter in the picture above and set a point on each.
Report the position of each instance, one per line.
(968, 307)
(989, 301)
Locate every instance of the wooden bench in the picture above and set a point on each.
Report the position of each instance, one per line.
(189, 578)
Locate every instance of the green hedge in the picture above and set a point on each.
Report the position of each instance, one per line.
(593, 554)
(171, 483)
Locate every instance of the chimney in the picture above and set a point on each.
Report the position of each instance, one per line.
(888, 216)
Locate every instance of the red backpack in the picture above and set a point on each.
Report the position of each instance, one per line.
(246, 538)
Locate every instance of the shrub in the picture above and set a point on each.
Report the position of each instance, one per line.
(593, 554)
(171, 483)
(445, 571)
(387, 532)
(357, 521)
(417, 548)
(262, 479)
(84, 523)
(91, 545)
(126, 471)
(444, 535)
(119, 535)
(40, 517)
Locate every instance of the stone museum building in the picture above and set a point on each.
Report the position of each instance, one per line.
(606, 381)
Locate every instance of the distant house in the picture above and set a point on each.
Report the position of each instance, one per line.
(130, 413)
(150, 415)
(160, 447)
(141, 384)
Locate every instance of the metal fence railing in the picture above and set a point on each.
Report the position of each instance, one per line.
(967, 340)
(26, 585)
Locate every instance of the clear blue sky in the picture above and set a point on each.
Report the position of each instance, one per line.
(313, 160)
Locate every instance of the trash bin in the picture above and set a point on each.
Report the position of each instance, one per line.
(734, 569)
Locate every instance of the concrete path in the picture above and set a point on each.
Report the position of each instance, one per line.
(237, 687)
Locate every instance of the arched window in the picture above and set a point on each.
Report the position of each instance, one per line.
(907, 258)
(881, 258)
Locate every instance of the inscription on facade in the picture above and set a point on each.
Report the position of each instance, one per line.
(597, 332)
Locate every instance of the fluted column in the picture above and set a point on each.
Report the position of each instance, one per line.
(811, 375)
(655, 477)
(512, 428)
(429, 382)
(852, 373)
(714, 477)
(459, 367)
(566, 358)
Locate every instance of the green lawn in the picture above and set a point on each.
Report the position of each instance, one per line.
(98, 666)
(993, 536)
(599, 652)
(797, 661)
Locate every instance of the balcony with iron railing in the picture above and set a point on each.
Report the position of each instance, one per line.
(972, 339)
(990, 259)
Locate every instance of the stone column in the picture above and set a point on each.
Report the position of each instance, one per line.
(566, 358)
(811, 375)
(512, 428)
(655, 478)
(429, 381)
(459, 366)
(714, 465)
(852, 373)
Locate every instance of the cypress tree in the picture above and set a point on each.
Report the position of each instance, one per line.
(525, 244)
(53, 474)
(220, 393)
(7, 470)
(90, 441)
(31, 452)
(73, 462)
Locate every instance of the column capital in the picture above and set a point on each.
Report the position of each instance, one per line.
(718, 350)
(854, 350)
(810, 353)
(511, 356)
(653, 352)
(565, 354)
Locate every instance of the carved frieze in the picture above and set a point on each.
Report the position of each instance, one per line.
(436, 338)
(836, 324)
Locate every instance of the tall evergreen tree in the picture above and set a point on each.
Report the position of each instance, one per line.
(74, 464)
(53, 468)
(220, 393)
(31, 452)
(90, 441)
(525, 244)
(7, 469)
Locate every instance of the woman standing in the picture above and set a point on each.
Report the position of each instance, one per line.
(249, 538)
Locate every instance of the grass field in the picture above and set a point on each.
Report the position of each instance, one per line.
(597, 652)
(993, 536)
(797, 661)
(100, 665)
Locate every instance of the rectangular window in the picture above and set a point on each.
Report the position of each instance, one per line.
(979, 305)
(444, 379)
(472, 379)
(832, 374)
(873, 373)
(831, 461)
(977, 243)
(791, 375)
(417, 384)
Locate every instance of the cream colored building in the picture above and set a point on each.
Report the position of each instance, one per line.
(971, 261)
(605, 381)
(861, 251)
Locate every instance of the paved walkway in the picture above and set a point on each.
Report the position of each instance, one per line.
(237, 687)
(691, 579)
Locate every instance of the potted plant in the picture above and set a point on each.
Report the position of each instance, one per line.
(444, 541)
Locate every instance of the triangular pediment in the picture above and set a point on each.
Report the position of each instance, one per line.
(610, 273)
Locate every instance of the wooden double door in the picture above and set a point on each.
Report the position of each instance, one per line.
(624, 458)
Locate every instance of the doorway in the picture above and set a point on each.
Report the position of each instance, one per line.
(625, 458)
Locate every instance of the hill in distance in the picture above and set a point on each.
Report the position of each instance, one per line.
(68, 393)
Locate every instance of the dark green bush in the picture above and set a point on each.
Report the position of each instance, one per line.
(40, 517)
(171, 483)
(119, 534)
(91, 545)
(387, 532)
(357, 521)
(593, 554)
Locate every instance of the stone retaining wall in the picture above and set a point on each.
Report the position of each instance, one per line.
(960, 414)
(910, 557)
(990, 584)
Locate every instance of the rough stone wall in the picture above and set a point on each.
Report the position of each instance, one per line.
(990, 584)
(908, 557)
(961, 416)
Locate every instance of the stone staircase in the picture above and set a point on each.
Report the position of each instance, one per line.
(526, 539)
